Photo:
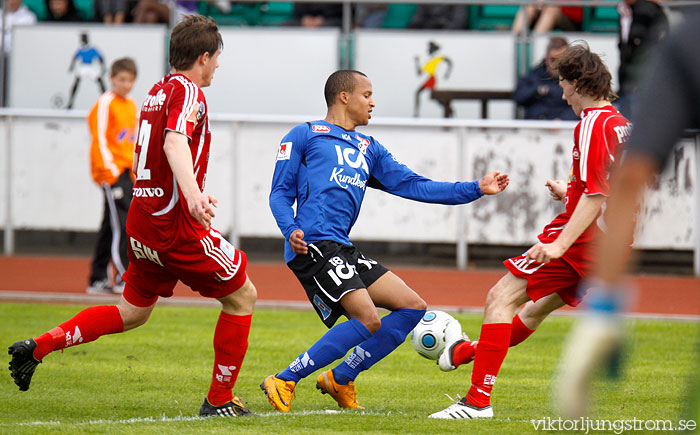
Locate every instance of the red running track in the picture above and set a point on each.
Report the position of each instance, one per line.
(438, 286)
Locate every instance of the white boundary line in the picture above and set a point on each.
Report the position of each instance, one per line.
(84, 298)
(164, 419)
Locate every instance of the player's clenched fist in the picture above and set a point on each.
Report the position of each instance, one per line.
(557, 188)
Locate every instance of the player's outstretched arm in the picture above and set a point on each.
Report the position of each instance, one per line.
(199, 205)
(493, 183)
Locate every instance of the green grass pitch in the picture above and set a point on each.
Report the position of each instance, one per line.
(153, 379)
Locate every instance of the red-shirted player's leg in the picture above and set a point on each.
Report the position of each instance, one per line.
(464, 352)
(231, 342)
(90, 324)
(502, 301)
(522, 326)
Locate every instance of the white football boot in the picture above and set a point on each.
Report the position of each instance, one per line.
(462, 410)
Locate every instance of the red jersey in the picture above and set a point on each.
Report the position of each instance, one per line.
(158, 216)
(599, 139)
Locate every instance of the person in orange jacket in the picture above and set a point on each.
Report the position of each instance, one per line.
(113, 125)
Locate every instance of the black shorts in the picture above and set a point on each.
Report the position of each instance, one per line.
(329, 271)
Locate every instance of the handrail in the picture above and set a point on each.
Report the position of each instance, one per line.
(588, 3)
(286, 119)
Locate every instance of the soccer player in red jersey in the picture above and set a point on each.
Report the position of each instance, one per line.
(662, 112)
(169, 227)
(547, 276)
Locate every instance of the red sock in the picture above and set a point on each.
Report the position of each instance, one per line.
(492, 350)
(519, 332)
(464, 352)
(88, 325)
(230, 345)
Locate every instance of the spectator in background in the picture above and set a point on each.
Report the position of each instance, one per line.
(539, 92)
(63, 11)
(158, 11)
(112, 123)
(643, 23)
(317, 14)
(111, 11)
(543, 19)
(439, 17)
(15, 13)
(370, 15)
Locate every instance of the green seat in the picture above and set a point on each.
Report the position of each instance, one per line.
(492, 17)
(241, 14)
(276, 13)
(601, 19)
(85, 9)
(398, 15)
(38, 7)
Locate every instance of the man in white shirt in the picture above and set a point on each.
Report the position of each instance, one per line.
(16, 13)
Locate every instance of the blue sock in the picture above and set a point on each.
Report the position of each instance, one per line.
(395, 327)
(333, 345)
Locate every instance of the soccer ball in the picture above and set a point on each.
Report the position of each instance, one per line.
(428, 337)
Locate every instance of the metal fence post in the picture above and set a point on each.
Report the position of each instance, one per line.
(236, 198)
(346, 56)
(462, 244)
(696, 212)
(9, 242)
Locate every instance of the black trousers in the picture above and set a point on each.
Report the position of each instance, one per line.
(111, 239)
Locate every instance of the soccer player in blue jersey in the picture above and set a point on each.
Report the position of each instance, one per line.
(325, 167)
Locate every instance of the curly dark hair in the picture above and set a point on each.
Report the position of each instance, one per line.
(590, 72)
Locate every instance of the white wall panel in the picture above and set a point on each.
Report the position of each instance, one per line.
(42, 54)
(274, 71)
(480, 61)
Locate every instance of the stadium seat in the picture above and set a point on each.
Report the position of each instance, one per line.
(398, 15)
(241, 14)
(276, 13)
(38, 7)
(601, 19)
(492, 17)
(85, 9)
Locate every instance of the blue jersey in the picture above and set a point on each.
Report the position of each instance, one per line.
(326, 169)
(88, 54)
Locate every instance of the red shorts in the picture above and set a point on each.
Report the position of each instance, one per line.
(210, 266)
(557, 276)
(429, 84)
